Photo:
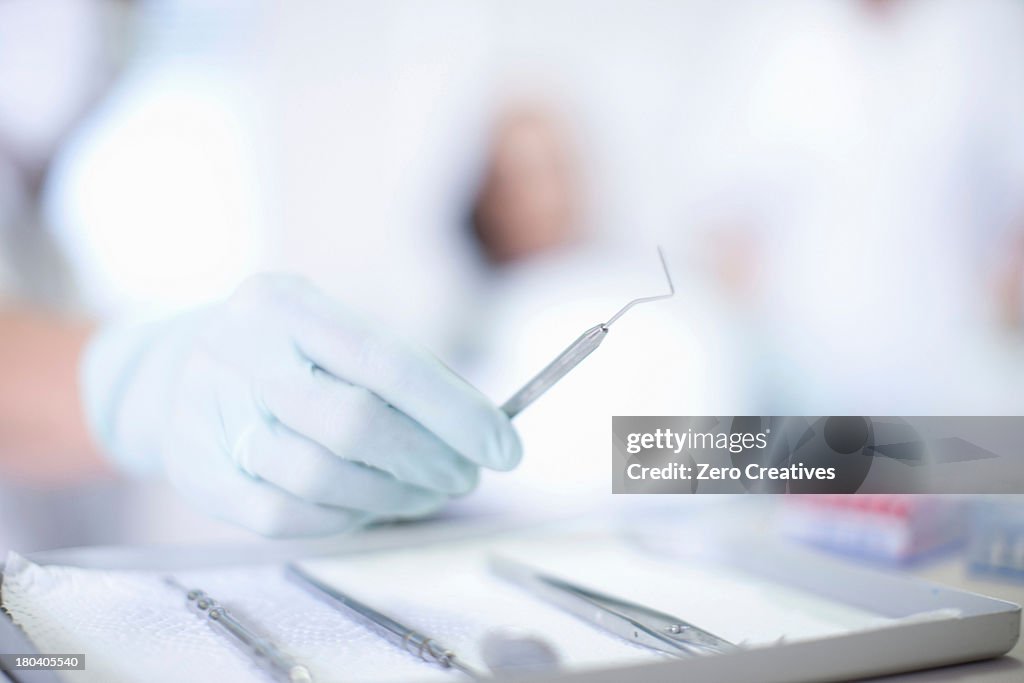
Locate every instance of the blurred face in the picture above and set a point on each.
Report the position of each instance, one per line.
(530, 198)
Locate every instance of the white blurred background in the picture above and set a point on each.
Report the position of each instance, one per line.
(839, 189)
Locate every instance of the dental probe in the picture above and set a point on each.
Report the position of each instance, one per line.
(574, 354)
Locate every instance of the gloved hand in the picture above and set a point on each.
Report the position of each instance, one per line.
(280, 410)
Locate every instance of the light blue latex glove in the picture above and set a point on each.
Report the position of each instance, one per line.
(281, 411)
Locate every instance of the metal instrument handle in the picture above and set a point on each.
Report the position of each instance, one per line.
(264, 652)
(584, 345)
(405, 637)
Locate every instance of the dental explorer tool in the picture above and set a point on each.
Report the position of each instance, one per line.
(263, 652)
(574, 354)
(404, 636)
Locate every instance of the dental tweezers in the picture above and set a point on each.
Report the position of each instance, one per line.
(636, 623)
(574, 354)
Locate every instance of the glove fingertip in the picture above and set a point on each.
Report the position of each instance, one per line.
(506, 451)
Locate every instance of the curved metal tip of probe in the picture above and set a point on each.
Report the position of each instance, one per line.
(645, 299)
